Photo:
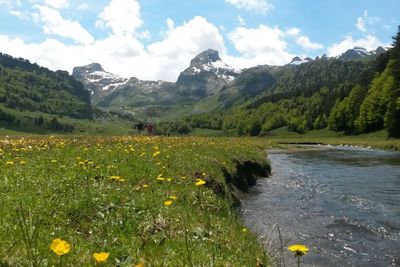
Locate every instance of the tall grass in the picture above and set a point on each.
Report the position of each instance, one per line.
(109, 194)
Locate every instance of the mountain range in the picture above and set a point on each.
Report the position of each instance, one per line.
(206, 76)
(215, 95)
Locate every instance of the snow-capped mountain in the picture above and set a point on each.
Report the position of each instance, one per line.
(209, 61)
(360, 52)
(97, 80)
(355, 53)
(205, 76)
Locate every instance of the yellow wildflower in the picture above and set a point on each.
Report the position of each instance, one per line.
(156, 154)
(244, 230)
(145, 185)
(200, 182)
(101, 257)
(60, 247)
(168, 203)
(53, 161)
(116, 178)
(22, 162)
(173, 197)
(9, 163)
(140, 264)
(299, 249)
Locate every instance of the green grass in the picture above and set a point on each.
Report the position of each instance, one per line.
(102, 194)
(376, 139)
(102, 126)
(211, 133)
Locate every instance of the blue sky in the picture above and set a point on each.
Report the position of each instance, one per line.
(155, 39)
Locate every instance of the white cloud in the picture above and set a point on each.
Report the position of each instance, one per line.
(53, 23)
(251, 5)
(125, 54)
(262, 45)
(293, 32)
(170, 24)
(305, 42)
(121, 16)
(361, 24)
(365, 20)
(370, 42)
(58, 4)
(19, 14)
(182, 43)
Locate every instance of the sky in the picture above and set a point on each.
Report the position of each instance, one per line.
(156, 39)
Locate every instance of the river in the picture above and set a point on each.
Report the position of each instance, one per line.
(344, 203)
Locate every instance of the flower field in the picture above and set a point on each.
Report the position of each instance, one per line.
(123, 201)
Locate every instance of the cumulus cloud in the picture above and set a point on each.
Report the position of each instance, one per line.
(262, 45)
(182, 43)
(305, 42)
(125, 54)
(302, 40)
(251, 5)
(370, 42)
(123, 51)
(121, 16)
(54, 23)
(293, 32)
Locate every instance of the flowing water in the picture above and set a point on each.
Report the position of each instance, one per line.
(343, 203)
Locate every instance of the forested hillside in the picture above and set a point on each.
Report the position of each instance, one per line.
(355, 96)
(28, 88)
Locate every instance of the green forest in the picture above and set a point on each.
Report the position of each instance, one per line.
(354, 97)
(30, 89)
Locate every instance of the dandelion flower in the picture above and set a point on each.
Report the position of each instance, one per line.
(200, 182)
(60, 247)
(156, 154)
(10, 163)
(299, 249)
(168, 203)
(101, 257)
(117, 178)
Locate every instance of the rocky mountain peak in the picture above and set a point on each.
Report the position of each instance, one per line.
(298, 60)
(96, 79)
(295, 59)
(87, 69)
(380, 50)
(207, 57)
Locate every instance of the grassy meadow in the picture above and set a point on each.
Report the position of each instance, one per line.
(147, 201)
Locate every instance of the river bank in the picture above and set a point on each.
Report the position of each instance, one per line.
(377, 140)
